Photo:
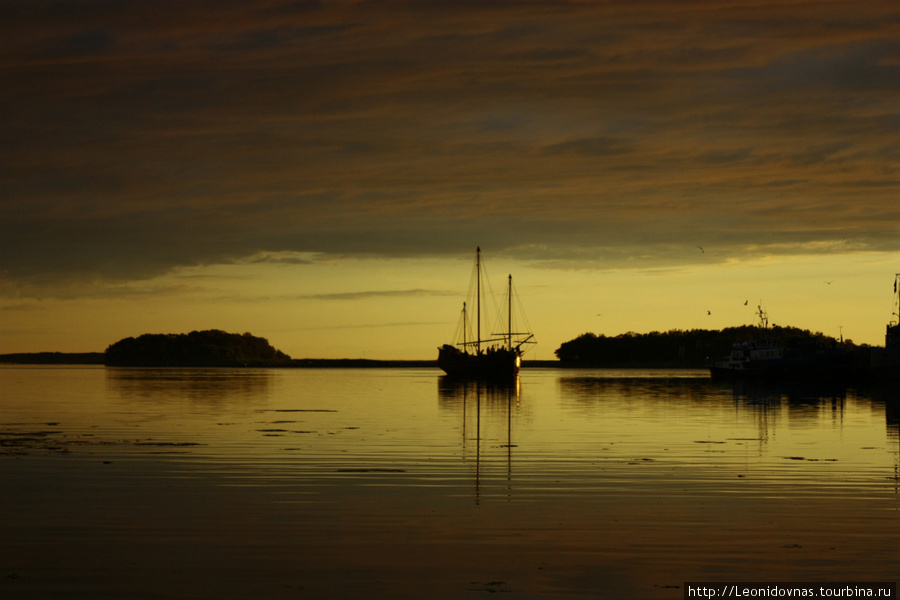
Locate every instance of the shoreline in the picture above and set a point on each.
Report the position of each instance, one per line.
(97, 358)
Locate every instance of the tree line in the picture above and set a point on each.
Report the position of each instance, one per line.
(211, 348)
(681, 348)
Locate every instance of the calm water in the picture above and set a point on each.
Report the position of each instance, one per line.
(391, 483)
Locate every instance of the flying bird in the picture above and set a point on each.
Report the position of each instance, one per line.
(709, 312)
(745, 302)
(701, 249)
(828, 283)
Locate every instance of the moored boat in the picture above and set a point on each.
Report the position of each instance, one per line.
(751, 359)
(885, 363)
(498, 355)
(770, 359)
(892, 333)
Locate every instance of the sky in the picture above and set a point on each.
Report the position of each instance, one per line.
(320, 173)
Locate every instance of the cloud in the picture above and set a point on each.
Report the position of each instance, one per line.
(595, 146)
(138, 138)
(377, 294)
(373, 325)
(284, 258)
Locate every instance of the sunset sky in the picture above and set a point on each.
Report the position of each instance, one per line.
(320, 173)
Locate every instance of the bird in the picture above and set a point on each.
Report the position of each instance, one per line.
(709, 312)
(827, 283)
(701, 249)
(745, 302)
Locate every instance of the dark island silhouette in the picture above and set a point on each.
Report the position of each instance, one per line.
(211, 348)
(671, 349)
(52, 358)
(684, 348)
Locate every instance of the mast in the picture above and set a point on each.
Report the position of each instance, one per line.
(509, 318)
(892, 331)
(465, 325)
(897, 296)
(478, 299)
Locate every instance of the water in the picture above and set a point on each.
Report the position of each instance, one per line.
(396, 483)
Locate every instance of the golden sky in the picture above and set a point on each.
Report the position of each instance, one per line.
(320, 173)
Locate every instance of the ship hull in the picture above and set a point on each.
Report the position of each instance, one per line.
(824, 365)
(498, 364)
(729, 372)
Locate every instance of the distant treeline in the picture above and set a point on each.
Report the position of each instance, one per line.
(679, 348)
(695, 348)
(359, 363)
(53, 358)
(212, 348)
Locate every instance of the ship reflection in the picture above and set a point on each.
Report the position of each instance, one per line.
(791, 391)
(772, 404)
(815, 400)
(490, 405)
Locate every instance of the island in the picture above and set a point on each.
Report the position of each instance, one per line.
(694, 348)
(689, 349)
(211, 348)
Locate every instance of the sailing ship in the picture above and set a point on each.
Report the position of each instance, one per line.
(496, 355)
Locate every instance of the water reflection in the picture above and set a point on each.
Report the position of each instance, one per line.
(791, 391)
(892, 416)
(593, 388)
(796, 431)
(399, 483)
(809, 400)
(207, 386)
(498, 401)
(625, 420)
(453, 391)
(814, 402)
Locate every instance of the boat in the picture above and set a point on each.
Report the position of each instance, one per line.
(757, 358)
(885, 363)
(497, 355)
(892, 333)
(769, 359)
